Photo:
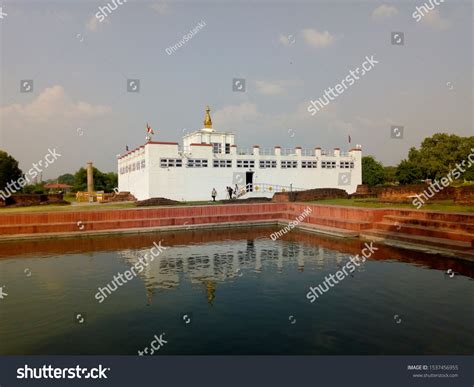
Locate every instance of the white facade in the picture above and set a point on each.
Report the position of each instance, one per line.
(210, 159)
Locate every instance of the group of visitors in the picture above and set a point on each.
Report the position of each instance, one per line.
(231, 192)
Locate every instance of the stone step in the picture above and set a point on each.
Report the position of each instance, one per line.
(458, 246)
(347, 224)
(442, 224)
(81, 226)
(435, 232)
(433, 215)
(136, 213)
(320, 229)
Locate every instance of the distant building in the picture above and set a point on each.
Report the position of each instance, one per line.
(209, 159)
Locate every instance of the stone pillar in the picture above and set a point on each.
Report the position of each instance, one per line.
(90, 181)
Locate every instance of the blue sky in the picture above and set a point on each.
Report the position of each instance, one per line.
(80, 65)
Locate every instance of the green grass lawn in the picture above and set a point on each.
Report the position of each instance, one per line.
(75, 206)
(445, 205)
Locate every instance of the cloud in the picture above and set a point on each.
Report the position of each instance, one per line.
(435, 20)
(286, 40)
(51, 120)
(160, 7)
(93, 23)
(384, 11)
(317, 39)
(269, 88)
(53, 106)
(276, 87)
(235, 114)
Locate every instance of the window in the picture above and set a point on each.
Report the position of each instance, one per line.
(346, 164)
(268, 164)
(309, 164)
(227, 149)
(222, 163)
(133, 167)
(143, 164)
(138, 165)
(197, 163)
(328, 164)
(289, 164)
(168, 163)
(245, 164)
(216, 147)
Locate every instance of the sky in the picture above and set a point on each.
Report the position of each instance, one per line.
(288, 52)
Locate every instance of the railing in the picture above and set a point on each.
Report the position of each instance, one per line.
(308, 152)
(245, 151)
(265, 187)
(288, 152)
(267, 151)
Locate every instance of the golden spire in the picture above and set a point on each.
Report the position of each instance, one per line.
(207, 119)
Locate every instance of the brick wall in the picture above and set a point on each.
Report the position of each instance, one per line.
(464, 195)
(310, 195)
(33, 199)
(404, 193)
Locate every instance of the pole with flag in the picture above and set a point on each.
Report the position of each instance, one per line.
(149, 132)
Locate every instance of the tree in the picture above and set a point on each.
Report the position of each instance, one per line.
(102, 181)
(372, 171)
(67, 178)
(111, 181)
(389, 174)
(438, 156)
(408, 172)
(34, 189)
(9, 170)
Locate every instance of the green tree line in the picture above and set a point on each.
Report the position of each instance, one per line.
(436, 157)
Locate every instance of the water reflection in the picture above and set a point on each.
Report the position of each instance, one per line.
(240, 286)
(208, 266)
(187, 255)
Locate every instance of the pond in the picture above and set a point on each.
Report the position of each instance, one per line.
(230, 292)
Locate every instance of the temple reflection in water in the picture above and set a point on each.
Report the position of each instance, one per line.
(209, 265)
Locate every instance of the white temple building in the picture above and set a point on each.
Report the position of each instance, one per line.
(210, 159)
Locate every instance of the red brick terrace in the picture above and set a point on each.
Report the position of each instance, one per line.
(449, 233)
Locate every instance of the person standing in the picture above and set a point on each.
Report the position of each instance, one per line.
(214, 194)
(236, 191)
